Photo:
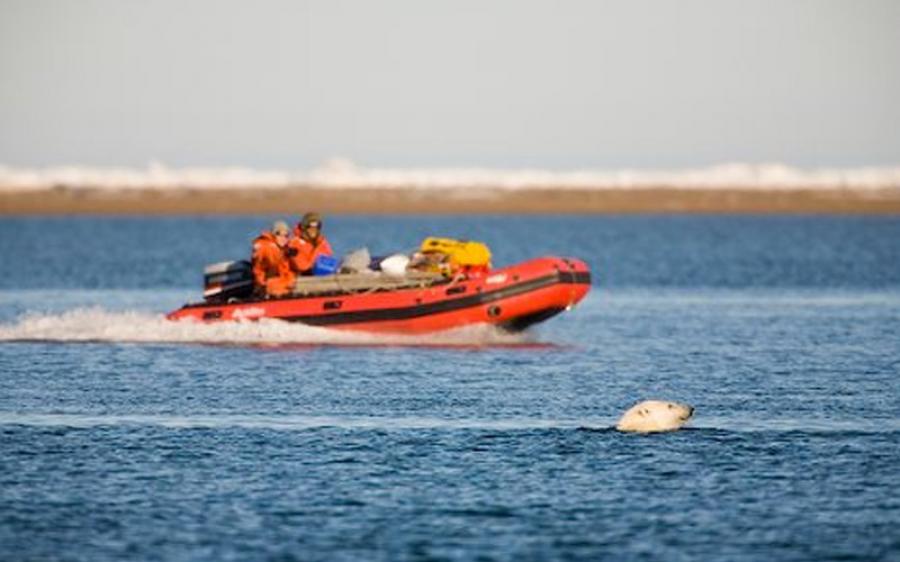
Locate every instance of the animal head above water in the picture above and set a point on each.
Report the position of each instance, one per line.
(652, 416)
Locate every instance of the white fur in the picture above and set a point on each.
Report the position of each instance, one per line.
(652, 416)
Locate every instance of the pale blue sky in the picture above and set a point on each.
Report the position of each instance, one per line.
(554, 84)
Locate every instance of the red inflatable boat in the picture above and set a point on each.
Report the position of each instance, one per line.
(512, 298)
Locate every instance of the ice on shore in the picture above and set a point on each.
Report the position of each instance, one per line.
(343, 174)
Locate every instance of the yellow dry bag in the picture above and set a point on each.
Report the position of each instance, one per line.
(460, 253)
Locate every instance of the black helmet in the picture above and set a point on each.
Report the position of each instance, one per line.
(309, 219)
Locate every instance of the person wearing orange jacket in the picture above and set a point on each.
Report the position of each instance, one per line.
(272, 273)
(308, 243)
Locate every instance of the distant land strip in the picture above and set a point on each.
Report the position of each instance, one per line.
(63, 200)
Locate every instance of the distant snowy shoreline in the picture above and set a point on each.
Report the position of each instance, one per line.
(343, 174)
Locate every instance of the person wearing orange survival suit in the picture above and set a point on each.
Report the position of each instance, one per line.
(308, 243)
(272, 274)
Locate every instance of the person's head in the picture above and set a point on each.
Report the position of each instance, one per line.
(311, 225)
(281, 232)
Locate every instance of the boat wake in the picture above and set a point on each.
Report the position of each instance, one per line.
(713, 427)
(91, 325)
(290, 422)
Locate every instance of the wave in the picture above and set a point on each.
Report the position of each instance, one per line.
(339, 173)
(288, 422)
(752, 296)
(100, 325)
(710, 426)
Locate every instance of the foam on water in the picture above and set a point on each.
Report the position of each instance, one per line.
(98, 324)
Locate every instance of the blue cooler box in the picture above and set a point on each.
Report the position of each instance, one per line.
(325, 265)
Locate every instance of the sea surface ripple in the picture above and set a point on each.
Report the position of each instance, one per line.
(123, 437)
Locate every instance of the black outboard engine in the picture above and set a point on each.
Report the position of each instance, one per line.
(227, 281)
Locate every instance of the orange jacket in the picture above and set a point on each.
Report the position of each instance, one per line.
(271, 267)
(307, 252)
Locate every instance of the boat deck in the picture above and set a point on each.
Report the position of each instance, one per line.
(363, 283)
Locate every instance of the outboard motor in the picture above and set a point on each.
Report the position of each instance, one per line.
(227, 280)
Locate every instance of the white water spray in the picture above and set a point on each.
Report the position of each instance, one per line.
(101, 325)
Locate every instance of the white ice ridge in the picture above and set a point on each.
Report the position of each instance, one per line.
(101, 325)
(340, 173)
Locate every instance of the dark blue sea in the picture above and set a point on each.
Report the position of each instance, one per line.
(126, 437)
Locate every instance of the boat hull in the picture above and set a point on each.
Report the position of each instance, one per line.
(512, 298)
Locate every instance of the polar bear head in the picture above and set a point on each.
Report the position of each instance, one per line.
(655, 415)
